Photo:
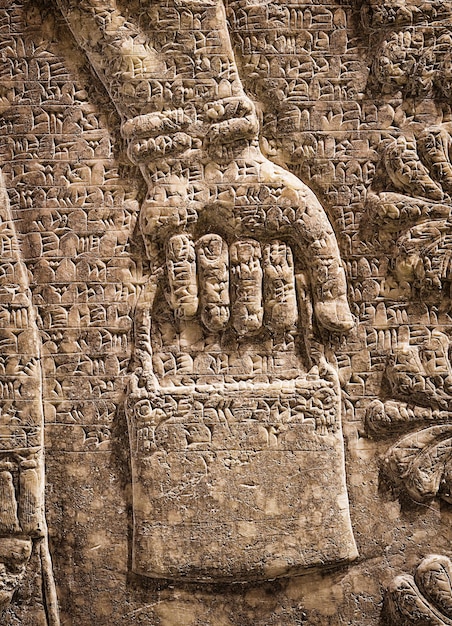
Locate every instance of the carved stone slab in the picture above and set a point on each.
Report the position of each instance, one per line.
(240, 485)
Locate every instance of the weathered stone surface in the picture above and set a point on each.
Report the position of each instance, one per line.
(425, 598)
(225, 312)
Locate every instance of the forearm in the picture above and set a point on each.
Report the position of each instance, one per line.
(129, 68)
(118, 52)
(133, 73)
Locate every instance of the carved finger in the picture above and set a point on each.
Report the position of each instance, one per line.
(228, 108)
(246, 282)
(181, 264)
(233, 129)
(301, 216)
(213, 275)
(141, 150)
(153, 124)
(8, 507)
(279, 287)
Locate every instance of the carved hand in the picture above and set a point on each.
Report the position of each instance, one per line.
(224, 405)
(224, 392)
(248, 197)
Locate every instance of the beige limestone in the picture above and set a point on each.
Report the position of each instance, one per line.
(225, 313)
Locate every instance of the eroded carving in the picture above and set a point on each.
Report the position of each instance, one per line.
(425, 598)
(414, 181)
(22, 520)
(410, 205)
(233, 405)
(229, 402)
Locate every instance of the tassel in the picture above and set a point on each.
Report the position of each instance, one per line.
(29, 502)
(8, 504)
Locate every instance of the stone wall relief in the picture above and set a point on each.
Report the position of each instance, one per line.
(240, 312)
(23, 526)
(410, 206)
(425, 598)
(229, 400)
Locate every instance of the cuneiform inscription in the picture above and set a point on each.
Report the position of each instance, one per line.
(217, 419)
